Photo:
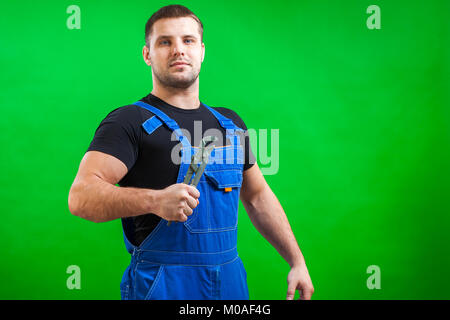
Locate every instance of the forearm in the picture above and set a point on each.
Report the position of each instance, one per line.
(99, 201)
(268, 217)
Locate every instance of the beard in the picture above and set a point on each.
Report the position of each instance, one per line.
(175, 80)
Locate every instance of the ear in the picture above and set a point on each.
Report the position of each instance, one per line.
(203, 51)
(146, 55)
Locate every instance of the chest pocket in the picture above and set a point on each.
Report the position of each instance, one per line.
(218, 206)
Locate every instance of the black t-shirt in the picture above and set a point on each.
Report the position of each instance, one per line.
(148, 157)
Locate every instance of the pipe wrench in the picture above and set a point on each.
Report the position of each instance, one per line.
(198, 162)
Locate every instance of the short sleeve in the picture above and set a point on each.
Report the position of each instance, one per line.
(118, 135)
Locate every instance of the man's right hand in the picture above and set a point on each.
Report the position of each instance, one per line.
(94, 195)
(176, 202)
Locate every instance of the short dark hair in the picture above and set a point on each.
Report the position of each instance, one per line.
(171, 11)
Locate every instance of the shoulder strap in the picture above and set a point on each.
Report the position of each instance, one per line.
(226, 123)
(153, 123)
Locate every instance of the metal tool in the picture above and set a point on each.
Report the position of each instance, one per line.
(198, 162)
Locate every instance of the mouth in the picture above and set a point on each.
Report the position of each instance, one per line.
(177, 64)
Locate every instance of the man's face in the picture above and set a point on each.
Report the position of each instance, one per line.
(176, 51)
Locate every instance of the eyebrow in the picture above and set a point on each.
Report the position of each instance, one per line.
(168, 37)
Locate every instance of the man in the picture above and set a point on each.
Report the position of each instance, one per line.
(147, 147)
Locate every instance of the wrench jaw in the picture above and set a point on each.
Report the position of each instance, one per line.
(199, 161)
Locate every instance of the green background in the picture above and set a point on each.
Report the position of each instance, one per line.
(364, 126)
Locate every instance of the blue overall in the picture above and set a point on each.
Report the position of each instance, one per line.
(196, 259)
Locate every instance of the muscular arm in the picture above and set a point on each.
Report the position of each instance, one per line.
(268, 217)
(95, 197)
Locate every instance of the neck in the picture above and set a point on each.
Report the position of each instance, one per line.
(184, 98)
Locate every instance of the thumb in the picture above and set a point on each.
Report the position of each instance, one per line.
(291, 291)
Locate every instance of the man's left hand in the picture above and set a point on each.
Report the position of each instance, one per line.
(298, 279)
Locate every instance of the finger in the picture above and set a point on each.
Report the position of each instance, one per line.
(182, 217)
(191, 202)
(306, 294)
(187, 210)
(193, 191)
(291, 291)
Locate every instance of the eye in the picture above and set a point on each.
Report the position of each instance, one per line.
(164, 42)
(189, 40)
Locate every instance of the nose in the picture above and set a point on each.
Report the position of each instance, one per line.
(178, 48)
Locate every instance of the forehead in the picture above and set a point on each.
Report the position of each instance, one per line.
(175, 27)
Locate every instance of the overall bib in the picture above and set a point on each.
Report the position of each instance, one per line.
(196, 259)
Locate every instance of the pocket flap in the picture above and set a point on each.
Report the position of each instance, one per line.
(225, 178)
